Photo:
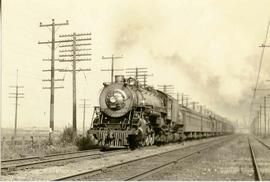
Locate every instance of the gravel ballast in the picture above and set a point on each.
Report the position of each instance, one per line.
(231, 161)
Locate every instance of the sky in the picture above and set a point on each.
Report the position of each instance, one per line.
(208, 49)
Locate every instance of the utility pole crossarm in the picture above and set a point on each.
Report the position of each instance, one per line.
(111, 70)
(53, 24)
(69, 50)
(262, 89)
(56, 41)
(71, 55)
(77, 35)
(86, 44)
(262, 45)
(53, 87)
(50, 60)
(48, 80)
(63, 70)
(114, 57)
(49, 70)
(16, 86)
(68, 60)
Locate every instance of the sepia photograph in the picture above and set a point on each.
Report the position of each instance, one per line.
(125, 90)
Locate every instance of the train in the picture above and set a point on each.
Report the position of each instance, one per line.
(132, 115)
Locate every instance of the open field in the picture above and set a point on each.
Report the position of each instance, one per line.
(32, 143)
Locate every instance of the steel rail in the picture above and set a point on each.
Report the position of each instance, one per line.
(37, 163)
(257, 173)
(85, 174)
(45, 156)
(39, 158)
(19, 159)
(264, 144)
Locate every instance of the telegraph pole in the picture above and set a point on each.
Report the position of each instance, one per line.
(182, 99)
(84, 106)
(264, 44)
(112, 70)
(193, 104)
(135, 72)
(145, 76)
(16, 96)
(187, 102)
(262, 127)
(73, 53)
(258, 124)
(201, 108)
(166, 88)
(268, 125)
(265, 115)
(140, 74)
(52, 70)
(260, 119)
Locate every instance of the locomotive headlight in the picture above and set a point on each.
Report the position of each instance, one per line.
(116, 99)
(112, 99)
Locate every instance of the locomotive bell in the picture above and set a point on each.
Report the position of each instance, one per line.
(119, 79)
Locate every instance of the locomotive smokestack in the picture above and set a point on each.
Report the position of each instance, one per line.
(119, 79)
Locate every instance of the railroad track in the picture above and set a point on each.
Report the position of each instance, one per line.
(37, 158)
(35, 161)
(256, 169)
(261, 163)
(39, 161)
(140, 168)
(264, 144)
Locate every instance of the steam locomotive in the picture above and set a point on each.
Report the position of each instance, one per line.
(132, 115)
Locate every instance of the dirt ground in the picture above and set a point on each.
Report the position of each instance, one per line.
(230, 161)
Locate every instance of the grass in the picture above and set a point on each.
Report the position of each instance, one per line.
(39, 147)
(61, 142)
